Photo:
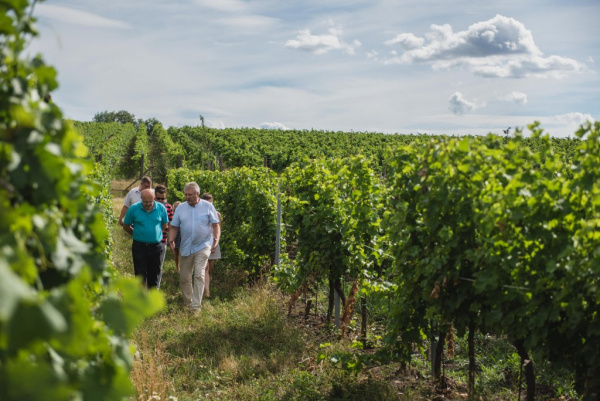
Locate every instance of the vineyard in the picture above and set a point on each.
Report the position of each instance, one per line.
(468, 234)
(422, 239)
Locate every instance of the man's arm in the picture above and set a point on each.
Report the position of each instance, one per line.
(127, 202)
(172, 234)
(216, 227)
(123, 213)
(127, 226)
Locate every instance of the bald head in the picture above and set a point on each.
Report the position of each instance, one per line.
(148, 199)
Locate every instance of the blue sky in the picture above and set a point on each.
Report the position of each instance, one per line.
(442, 67)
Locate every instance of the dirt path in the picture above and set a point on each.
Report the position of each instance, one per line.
(119, 189)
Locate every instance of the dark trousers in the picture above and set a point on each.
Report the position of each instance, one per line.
(162, 263)
(147, 262)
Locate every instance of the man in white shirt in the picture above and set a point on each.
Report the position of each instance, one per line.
(198, 222)
(134, 196)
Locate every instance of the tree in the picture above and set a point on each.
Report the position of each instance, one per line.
(149, 123)
(121, 116)
(125, 117)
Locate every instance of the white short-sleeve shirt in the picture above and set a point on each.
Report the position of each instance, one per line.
(195, 225)
(133, 196)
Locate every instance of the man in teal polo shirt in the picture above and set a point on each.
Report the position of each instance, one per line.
(146, 220)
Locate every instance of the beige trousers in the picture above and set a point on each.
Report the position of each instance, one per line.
(191, 277)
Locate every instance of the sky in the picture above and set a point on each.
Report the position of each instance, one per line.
(392, 66)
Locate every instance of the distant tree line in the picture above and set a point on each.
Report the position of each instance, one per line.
(124, 117)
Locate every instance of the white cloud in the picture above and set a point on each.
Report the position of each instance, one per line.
(562, 125)
(515, 97)
(72, 16)
(458, 105)
(407, 41)
(320, 44)
(572, 120)
(273, 125)
(215, 124)
(499, 47)
(373, 55)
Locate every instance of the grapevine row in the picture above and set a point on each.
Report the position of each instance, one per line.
(64, 317)
(486, 234)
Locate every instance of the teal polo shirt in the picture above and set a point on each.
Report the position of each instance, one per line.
(147, 226)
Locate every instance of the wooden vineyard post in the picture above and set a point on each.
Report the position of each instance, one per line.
(278, 229)
(336, 298)
(363, 323)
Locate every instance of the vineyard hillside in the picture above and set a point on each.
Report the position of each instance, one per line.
(423, 243)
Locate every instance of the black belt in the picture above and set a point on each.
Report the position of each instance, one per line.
(146, 243)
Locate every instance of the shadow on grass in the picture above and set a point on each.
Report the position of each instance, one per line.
(240, 338)
(243, 346)
(302, 385)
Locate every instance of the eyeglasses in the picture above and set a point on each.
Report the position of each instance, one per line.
(161, 199)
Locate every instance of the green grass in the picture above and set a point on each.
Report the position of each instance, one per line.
(244, 346)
